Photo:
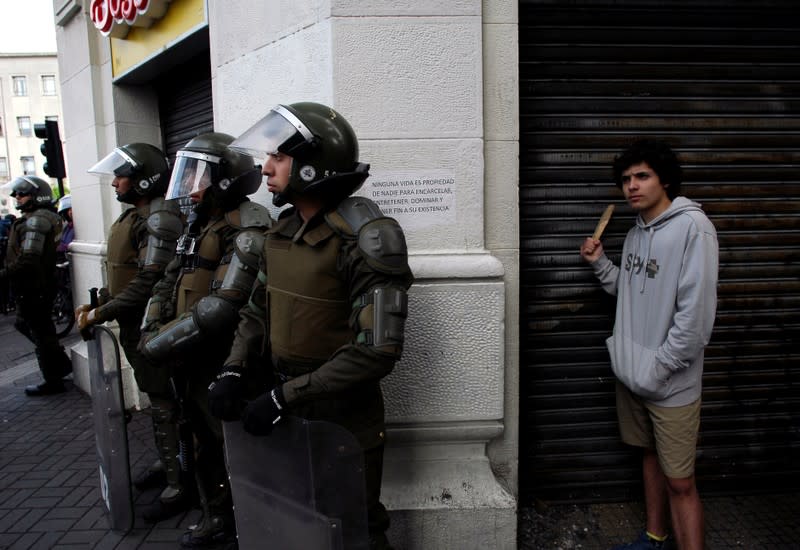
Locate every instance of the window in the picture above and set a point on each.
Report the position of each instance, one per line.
(28, 166)
(24, 124)
(3, 167)
(20, 85)
(48, 84)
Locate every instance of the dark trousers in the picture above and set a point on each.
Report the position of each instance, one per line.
(34, 322)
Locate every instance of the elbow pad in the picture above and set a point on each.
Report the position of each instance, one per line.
(36, 230)
(243, 269)
(381, 318)
(164, 227)
(210, 315)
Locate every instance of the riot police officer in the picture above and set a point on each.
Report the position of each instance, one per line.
(332, 297)
(140, 244)
(194, 310)
(31, 269)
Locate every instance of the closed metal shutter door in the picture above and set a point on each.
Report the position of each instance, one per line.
(185, 104)
(720, 81)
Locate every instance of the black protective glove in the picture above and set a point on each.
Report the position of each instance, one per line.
(225, 394)
(261, 415)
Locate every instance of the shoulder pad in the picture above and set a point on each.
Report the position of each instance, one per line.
(158, 204)
(164, 223)
(383, 245)
(352, 214)
(39, 223)
(250, 214)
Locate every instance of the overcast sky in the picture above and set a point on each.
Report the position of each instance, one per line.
(27, 26)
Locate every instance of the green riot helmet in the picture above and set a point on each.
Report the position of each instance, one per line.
(207, 161)
(145, 165)
(30, 186)
(323, 147)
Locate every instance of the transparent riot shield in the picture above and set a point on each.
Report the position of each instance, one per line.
(300, 487)
(110, 428)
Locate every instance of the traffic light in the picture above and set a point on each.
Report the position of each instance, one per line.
(51, 148)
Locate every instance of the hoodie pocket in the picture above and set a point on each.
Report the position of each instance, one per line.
(636, 367)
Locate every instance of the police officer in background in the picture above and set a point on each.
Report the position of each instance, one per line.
(68, 229)
(140, 244)
(31, 270)
(194, 310)
(336, 270)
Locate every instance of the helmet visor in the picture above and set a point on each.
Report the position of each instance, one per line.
(20, 187)
(280, 131)
(116, 163)
(193, 172)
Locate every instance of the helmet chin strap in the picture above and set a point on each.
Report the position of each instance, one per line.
(279, 199)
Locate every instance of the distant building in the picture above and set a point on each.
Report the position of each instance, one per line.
(29, 94)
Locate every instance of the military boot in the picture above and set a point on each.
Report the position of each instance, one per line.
(153, 476)
(171, 502)
(211, 532)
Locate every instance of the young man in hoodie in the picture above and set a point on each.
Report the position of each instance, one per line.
(666, 292)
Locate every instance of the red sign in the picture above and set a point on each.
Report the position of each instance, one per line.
(115, 17)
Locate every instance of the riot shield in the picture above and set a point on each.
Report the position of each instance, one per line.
(110, 428)
(300, 487)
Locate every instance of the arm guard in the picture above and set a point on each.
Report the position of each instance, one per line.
(381, 316)
(164, 227)
(243, 269)
(210, 315)
(381, 311)
(36, 230)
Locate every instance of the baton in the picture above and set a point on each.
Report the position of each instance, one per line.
(604, 219)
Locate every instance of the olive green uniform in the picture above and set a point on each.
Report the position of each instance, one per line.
(131, 277)
(188, 279)
(32, 277)
(130, 285)
(313, 300)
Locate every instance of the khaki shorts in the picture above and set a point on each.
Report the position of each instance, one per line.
(671, 431)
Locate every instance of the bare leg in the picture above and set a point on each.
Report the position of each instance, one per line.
(687, 513)
(655, 494)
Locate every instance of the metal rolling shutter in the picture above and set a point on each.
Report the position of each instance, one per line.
(721, 82)
(185, 104)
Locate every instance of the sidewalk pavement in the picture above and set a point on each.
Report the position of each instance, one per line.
(50, 495)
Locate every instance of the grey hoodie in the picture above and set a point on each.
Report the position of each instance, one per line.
(666, 294)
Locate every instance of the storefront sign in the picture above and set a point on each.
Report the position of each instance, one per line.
(115, 17)
(414, 199)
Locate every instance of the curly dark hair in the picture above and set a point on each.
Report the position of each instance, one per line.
(659, 156)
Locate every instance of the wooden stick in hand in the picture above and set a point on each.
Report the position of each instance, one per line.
(604, 219)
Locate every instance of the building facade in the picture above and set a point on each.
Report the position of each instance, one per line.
(435, 120)
(29, 94)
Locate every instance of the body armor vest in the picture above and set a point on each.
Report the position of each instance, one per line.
(122, 252)
(200, 269)
(16, 236)
(307, 296)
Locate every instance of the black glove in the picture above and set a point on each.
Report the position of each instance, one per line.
(225, 394)
(261, 415)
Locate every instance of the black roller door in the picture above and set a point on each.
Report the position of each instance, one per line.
(185, 103)
(721, 82)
